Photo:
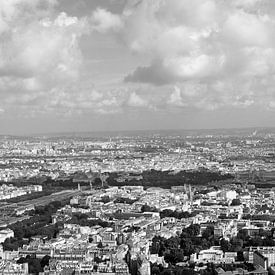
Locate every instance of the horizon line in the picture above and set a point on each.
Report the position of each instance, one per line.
(56, 133)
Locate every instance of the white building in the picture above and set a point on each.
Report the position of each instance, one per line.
(264, 258)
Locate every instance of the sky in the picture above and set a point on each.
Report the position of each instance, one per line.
(97, 65)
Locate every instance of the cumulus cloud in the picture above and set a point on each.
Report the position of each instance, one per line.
(231, 43)
(201, 39)
(175, 98)
(204, 54)
(40, 47)
(155, 73)
(103, 21)
(136, 101)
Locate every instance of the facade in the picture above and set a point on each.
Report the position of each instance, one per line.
(12, 268)
(214, 255)
(264, 258)
(239, 271)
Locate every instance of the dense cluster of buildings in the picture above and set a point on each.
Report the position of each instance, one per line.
(8, 191)
(242, 156)
(113, 230)
(122, 245)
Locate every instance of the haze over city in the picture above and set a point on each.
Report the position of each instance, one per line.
(87, 65)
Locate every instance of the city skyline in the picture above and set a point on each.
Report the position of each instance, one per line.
(78, 66)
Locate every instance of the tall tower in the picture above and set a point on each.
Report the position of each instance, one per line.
(91, 185)
(190, 194)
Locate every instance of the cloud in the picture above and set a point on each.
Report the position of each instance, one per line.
(40, 48)
(210, 44)
(177, 69)
(70, 100)
(155, 73)
(175, 98)
(103, 21)
(200, 54)
(136, 101)
(202, 40)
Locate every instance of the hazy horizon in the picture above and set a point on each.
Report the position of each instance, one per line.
(164, 132)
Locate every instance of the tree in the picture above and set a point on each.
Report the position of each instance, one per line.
(22, 260)
(10, 244)
(225, 245)
(237, 244)
(147, 208)
(105, 199)
(208, 232)
(192, 230)
(34, 266)
(45, 261)
(240, 256)
(187, 246)
(155, 247)
(155, 269)
(235, 202)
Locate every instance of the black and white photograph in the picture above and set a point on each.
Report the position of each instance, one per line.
(137, 137)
